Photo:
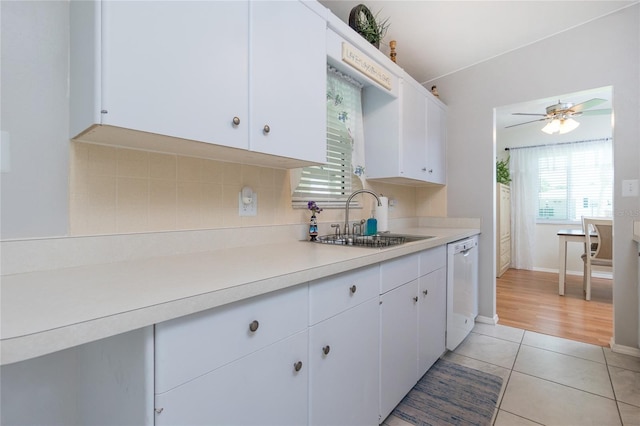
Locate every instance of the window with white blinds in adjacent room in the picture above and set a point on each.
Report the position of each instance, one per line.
(575, 180)
(330, 184)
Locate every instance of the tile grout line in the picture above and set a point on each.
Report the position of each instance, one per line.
(613, 389)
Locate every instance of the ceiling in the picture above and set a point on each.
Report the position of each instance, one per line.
(436, 38)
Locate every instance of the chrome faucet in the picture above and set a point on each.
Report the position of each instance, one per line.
(346, 211)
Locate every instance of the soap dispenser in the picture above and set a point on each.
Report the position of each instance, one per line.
(372, 224)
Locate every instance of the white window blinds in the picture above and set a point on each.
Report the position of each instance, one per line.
(330, 184)
(573, 180)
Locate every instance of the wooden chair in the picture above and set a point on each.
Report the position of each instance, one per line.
(600, 253)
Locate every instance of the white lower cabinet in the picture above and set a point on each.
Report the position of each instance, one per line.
(398, 346)
(343, 368)
(432, 319)
(268, 387)
(240, 364)
(412, 322)
(343, 348)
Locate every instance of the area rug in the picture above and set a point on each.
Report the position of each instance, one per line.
(451, 394)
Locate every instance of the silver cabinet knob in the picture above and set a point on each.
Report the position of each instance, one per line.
(353, 289)
(430, 170)
(266, 129)
(297, 366)
(236, 121)
(254, 326)
(425, 292)
(415, 299)
(326, 350)
(424, 169)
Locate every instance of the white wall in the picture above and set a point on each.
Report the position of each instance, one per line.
(601, 53)
(35, 44)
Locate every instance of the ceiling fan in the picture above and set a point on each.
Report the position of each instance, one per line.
(560, 116)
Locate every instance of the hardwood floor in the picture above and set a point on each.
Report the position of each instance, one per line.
(530, 300)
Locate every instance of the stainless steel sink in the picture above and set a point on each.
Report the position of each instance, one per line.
(372, 241)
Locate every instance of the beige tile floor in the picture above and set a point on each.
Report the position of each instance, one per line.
(552, 381)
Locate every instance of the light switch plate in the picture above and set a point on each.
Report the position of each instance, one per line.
(248, 209)
(630, 188)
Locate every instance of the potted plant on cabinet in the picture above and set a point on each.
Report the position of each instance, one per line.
(367, 25)
(502, 171)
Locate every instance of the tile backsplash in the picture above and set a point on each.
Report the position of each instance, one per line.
(117, 190)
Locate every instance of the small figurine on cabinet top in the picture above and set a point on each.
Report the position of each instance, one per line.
(434, 91)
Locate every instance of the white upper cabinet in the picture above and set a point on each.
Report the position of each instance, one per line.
(436, 140)
(405, 137)
(170, 75)
(288, 81)
(413, 145)
(177, 69)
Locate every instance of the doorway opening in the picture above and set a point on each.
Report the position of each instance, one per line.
(527, 234)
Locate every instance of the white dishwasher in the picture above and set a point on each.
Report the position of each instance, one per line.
(462, 289)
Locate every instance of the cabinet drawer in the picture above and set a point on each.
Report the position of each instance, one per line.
(191, 346)
(396, 272)
(330, 296)
(263, 388)
(432, 259)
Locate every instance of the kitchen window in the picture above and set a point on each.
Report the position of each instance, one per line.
(331, 184)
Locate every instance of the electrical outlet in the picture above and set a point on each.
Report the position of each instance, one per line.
(630, 188)
(250, 209)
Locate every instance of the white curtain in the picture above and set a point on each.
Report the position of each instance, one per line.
(524, 192)
(557, 184)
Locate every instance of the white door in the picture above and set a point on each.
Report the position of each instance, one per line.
(177, 68)
(343, 365)
(288, 81)
(432, 319)
(398, 347)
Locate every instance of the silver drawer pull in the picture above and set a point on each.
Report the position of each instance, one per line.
(353, 289)
(254, 326)
(326, 350)
(297, 366)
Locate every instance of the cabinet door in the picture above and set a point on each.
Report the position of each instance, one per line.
(263, 388)
(398, 347)
(414, 132)
(177, 68)
(344, 381)
(436, 141)
(432, 319)
(288, 81)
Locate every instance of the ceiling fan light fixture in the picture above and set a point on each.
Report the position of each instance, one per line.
(552, 127)
(560, 125)
(568, 125)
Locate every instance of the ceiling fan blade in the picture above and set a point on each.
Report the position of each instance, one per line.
(587, 104)
(594, 112)
(526, 113)
(526, 122)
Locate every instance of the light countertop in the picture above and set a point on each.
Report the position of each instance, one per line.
(47, 311)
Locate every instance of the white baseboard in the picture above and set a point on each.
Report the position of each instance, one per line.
(597, 274)
(487, 320)
(626, 350)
